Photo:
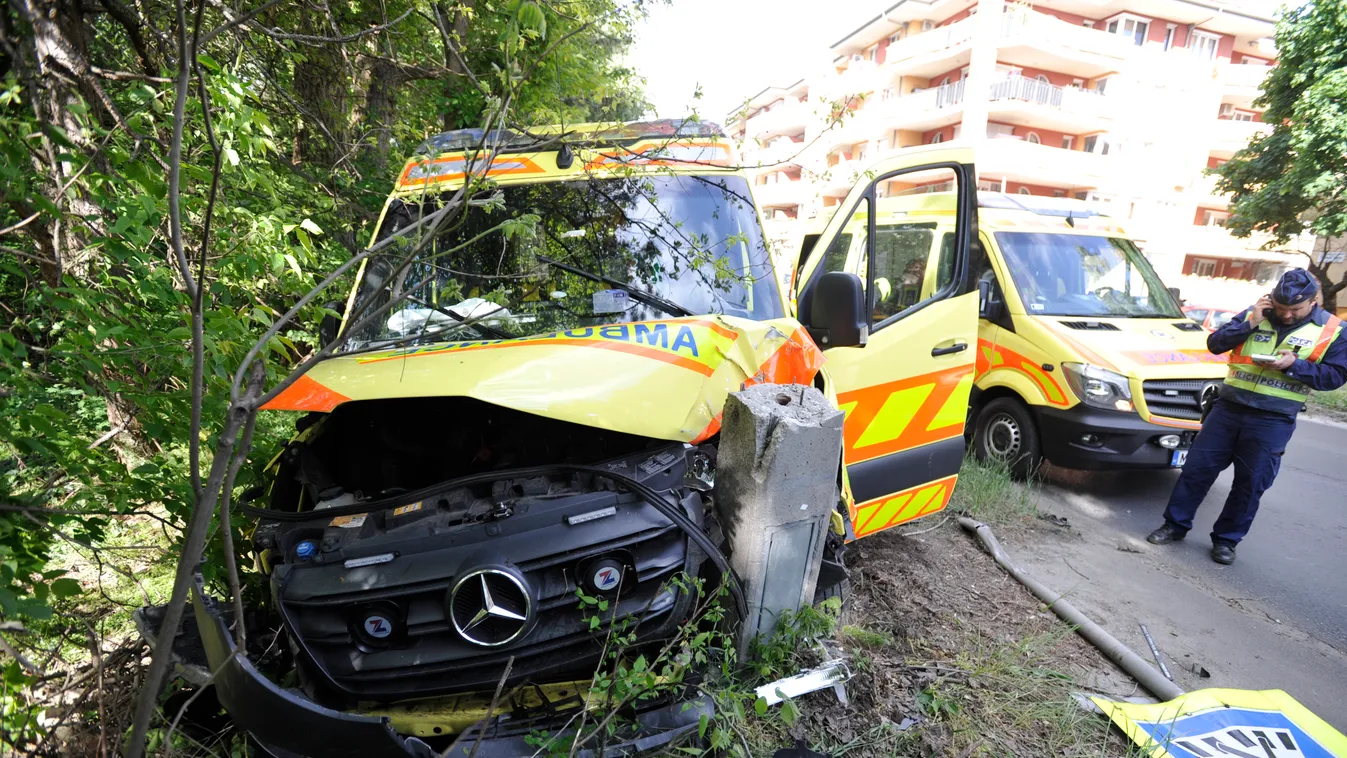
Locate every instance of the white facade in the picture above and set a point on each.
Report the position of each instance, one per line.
(1124, 102)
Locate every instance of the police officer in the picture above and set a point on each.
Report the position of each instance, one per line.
(1283, 347)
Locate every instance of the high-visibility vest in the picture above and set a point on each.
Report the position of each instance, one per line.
(1274, 390)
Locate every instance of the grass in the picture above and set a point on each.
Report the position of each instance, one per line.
(1334, 402)
(1010, 700)
(987, 492)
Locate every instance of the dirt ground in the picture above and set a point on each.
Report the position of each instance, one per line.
(952, 657)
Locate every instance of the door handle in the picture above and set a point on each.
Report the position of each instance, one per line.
(957, 347)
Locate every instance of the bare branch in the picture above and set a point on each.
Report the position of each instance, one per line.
(14, 653)
(310, 39)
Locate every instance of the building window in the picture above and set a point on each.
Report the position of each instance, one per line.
(895, 37)
(995, 131)
(988, 185)
(1091, 142)
(1083, 195)
(1101, 84)
(1059, 193)
(1204, 267)
(1243, 116)
(1203, 46)
(1132, 27)
(1032, 138)
(1214, 218)
(1068, 141)
(937, 138)
(944, 82)
(890, 93)
(872, 53)
(1169, 36)
(1024, 191)
(1088, 24)
(1042, 79)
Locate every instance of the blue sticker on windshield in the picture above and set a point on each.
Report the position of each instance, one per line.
(611, 301)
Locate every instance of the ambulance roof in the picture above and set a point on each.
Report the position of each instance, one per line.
(588, 134)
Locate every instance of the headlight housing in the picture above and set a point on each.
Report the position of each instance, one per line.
(1099, 388)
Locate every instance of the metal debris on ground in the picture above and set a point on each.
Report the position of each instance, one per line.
(832, 673)
(1155, 651)
(800, 750)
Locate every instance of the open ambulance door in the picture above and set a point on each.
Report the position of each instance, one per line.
(890, 293)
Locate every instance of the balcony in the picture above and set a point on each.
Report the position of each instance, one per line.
(781, 194)
(922, 110)
(1036, 39)
(929, 53)
(786, 118)
(857, 127)
(1228, 136)
(1203, 191)
(860, 77)
(1031, 102)
(1241, 83)
(780, 153)
(1019, 161)
(838, 180)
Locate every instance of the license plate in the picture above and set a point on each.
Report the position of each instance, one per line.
(1180, 457)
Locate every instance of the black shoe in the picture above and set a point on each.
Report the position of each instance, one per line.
(1166, 534)
(1223, 554)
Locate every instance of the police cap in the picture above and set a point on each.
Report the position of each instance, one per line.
(1295, 287)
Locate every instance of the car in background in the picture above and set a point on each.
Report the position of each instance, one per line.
(1211, 319)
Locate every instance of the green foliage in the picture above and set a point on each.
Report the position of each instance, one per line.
(1295, 179)
(95, 340)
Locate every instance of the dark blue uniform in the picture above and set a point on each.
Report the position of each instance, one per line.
(1253, 438)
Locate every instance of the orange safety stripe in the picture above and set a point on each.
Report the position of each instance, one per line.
(997, 357)
(636, 155)
(509, 164)
(797, 361)
(900, 507)
(1325, 337)
(305, 394)
(867, 404)
(1188, 356)
(1085, 352)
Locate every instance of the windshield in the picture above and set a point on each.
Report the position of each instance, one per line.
(602, 251)
(1082, 275)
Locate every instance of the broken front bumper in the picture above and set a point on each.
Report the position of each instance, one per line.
(289, 725)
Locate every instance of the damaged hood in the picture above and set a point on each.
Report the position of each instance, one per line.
(664, 379)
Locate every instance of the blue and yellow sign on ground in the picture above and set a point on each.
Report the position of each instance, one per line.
(1216, 723)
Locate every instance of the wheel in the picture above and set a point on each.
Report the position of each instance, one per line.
(1005, 432)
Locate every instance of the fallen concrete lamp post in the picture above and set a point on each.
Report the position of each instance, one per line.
(1119, 653)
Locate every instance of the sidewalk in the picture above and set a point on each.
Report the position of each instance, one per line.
(1121, 581)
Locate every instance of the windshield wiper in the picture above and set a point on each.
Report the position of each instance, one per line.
(649, 298)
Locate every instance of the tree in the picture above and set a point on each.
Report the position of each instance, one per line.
(1295, 179)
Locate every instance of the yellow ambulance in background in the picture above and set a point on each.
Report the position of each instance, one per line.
(1083, 356)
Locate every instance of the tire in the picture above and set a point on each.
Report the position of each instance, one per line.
(1006, 432)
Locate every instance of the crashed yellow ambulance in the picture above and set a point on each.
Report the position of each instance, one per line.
(1084, 357)
(532, 411)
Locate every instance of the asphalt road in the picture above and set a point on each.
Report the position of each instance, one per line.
(1295, 557)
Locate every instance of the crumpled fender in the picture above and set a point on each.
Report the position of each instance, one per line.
(661, 379)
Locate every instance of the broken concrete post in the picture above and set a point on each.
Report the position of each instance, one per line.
(776, 488)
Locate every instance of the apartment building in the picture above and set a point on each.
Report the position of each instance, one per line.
(1121, 102)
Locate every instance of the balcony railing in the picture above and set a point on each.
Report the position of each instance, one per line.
(1070, 99)
(782, 119)
(898, 112)
(942, 38)
(781, 193)
(780, 152)
(1036, 28)
(1230, 135)
(1016, 157)
(1243, 75)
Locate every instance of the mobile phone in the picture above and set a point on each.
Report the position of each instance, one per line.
(1265, 358)
(1267, 312)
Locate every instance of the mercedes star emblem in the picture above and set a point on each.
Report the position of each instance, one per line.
(490, 607)
(1210, 391)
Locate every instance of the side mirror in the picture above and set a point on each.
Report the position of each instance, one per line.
(837, 311)
(1175, 292)
(990, 304)
(330, 326)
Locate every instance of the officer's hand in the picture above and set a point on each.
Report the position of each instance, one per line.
(1285, 361)
(1256, 314)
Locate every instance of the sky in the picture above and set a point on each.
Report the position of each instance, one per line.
(735, 48)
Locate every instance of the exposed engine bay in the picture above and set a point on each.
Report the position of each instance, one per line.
(414, 546)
